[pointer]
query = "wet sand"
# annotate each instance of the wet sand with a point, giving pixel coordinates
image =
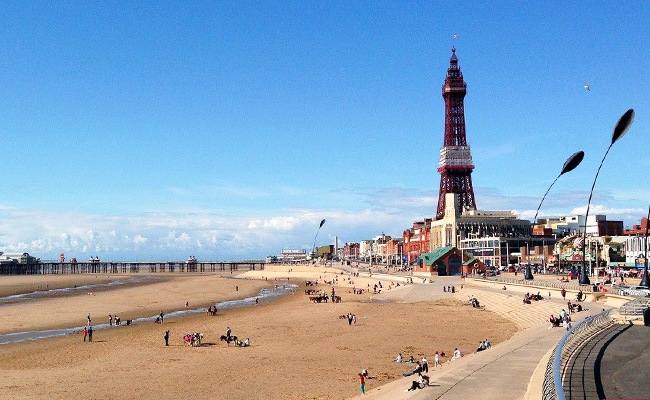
(300, 350)
(146, 298)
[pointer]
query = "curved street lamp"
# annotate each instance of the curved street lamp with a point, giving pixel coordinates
(313, 251)
(621, 129)
(645, 281)
(569, 165)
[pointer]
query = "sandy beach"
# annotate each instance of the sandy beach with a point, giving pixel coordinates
(299, 350)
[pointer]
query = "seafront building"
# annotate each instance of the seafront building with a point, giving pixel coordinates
(495, 239)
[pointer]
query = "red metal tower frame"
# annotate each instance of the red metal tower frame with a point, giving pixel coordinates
(455, 165)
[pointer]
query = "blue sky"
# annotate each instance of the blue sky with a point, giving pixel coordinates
(228, 130)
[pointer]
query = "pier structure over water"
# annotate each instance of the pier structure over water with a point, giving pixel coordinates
(123, 267)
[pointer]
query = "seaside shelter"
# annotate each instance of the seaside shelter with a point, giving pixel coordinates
(448, 261)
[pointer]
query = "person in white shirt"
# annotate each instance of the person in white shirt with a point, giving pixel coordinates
(457, 354)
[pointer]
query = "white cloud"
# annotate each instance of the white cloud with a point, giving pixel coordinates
(211, 235)
(139, 239)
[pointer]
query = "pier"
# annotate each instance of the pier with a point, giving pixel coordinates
(123, 267)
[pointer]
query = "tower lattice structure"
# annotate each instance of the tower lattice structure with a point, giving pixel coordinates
(455, 165)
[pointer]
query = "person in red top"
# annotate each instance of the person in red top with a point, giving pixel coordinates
(362, 383)
(85, 333)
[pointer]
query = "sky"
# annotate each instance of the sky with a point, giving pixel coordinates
(228, 130)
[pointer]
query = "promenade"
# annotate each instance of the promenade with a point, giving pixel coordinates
(505, 370)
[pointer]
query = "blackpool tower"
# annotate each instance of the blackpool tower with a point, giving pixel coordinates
(455, 165)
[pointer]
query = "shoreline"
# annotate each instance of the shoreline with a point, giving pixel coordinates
(131, 301)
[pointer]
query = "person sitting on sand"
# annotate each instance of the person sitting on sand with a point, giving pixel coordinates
(481, 346)
(416, 370)
(399, 358)
(247, 342)
(411, 360)
(457, 354)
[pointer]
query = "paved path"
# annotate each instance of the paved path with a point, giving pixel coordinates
(502, 372)
(622, 364)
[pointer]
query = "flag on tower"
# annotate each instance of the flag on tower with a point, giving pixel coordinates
(455, 36)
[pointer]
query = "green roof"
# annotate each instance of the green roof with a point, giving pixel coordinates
(430, 258)
(469, 261)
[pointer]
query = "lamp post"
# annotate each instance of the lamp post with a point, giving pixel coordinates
(645, 281)
(313, 251)
(569, 165)
(621, 128)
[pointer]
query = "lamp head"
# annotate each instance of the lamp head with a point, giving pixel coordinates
(623, 125)
(572, 162)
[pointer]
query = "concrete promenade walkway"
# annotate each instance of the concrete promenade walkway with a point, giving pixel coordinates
(505, 370)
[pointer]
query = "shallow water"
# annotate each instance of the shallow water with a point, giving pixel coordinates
(265, 296)
(40, 294)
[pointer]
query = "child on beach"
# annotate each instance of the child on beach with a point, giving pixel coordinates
(362, 383)
(436, 360)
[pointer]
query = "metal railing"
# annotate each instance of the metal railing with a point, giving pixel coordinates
(568, 345)
(635, 307)
(539, 282)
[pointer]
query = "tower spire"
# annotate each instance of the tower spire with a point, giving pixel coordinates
(455, 164)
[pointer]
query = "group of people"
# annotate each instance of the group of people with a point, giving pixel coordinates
(574, 307)
(528, 298)
(419, 370)
(424, 363)
(160, 318)
(563, 319)
(450, 289)
(363, 375)
(212, 310)
(475, 302)
(193, 339)
(88, 333)
(117, 320)
(352, 318)
(484, 345)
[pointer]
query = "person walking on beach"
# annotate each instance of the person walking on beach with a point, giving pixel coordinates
(362, 383)
(110, 320)
(162, 316)
(88, 319)
(90, 334)
(425, 364)
(85, 333)
(166, 336)
(563, 294)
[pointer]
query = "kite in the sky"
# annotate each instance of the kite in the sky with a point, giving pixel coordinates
(587, 86)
